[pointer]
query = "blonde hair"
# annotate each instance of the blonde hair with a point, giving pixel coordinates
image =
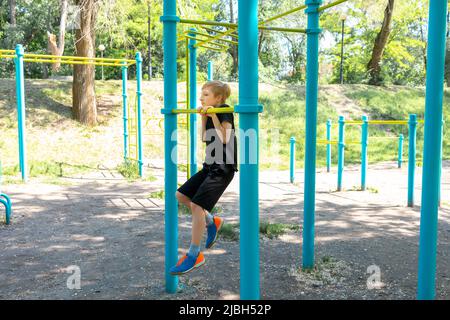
(218, 88)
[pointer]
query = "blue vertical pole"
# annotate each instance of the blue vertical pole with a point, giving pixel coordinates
(139, 110)
(312, 90)
(125, 111)
(400, 151)
(193, 103)
(248, 110)
(431, 152)
(341, 149)
(170, 20)
(364, 142)
(411, 158)
(328, 145)
(20, 92)
(292, 162)
(210, 71)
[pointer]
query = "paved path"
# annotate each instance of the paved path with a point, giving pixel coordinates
(113, 231)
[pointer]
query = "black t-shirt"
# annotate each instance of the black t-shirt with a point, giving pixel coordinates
(228, 155)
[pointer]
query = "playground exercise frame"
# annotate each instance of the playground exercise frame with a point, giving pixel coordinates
(20, 57)
(248, 109)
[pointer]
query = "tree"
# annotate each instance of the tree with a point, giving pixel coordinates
(233, 49)
(84, 107)
(53, 47)
(373, 67)
(12, 12)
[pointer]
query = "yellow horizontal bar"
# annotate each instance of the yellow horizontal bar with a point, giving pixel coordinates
(212, 110)
(32, 55)
(388, 121)
(37, 60)
(332, 4)
(284, 14)
(209, 23)
(209, 36)
(203, 41)
(215, 37)
(212, 48)
(327, 142)
(352, 142)
(6, 51)
(282, 29)
(221, 32)
(7, 56)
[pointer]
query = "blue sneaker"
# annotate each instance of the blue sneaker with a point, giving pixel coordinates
(213, 230)
(187, 263)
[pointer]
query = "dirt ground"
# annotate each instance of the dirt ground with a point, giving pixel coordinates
(114, 233)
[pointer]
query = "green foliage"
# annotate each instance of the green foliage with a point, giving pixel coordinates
(157, 194)
(229, 232)
(122, 26)
(129, 169)
(274, 230)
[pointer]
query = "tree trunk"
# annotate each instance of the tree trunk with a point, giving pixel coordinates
(12, 12)
(373, 67)
(233, 50)
(84, 105)
(57, 49)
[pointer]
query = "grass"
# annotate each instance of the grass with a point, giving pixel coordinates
(54, 138)
(358, 188)
(129, 169)
(274, 230)
(157, 194)
(229, 232)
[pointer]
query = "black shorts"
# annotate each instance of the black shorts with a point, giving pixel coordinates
(207, 186)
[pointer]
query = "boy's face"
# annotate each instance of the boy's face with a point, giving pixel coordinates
(208, 99)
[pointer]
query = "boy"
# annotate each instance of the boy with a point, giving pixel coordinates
(202, 191)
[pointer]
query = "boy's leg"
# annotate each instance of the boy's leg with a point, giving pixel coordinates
(183, 199)
(198, 223)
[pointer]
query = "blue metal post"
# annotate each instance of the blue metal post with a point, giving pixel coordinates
(412, 158)
(139, 110)
(312, 90)
(6, 201)
(292, 162)
(125, 111)
(328, 145)
(20, 92)
(210, 71)
(431, 153)
(364, 142)
(248, 110)
(170, 20)
(341, 149)
(400, 150)
(193, 103)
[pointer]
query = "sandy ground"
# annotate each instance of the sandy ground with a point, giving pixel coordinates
(113, 233)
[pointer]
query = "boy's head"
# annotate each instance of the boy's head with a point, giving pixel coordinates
(215, 93)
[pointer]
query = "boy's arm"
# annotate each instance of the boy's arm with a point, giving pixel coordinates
(223, 129)
(204, 119)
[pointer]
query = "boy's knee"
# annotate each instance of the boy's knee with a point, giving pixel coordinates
(196, 208)
(181, 197)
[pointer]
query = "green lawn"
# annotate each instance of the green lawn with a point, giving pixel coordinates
(59, 146)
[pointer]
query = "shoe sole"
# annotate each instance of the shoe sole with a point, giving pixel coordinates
(187, 271)
(217, 233)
